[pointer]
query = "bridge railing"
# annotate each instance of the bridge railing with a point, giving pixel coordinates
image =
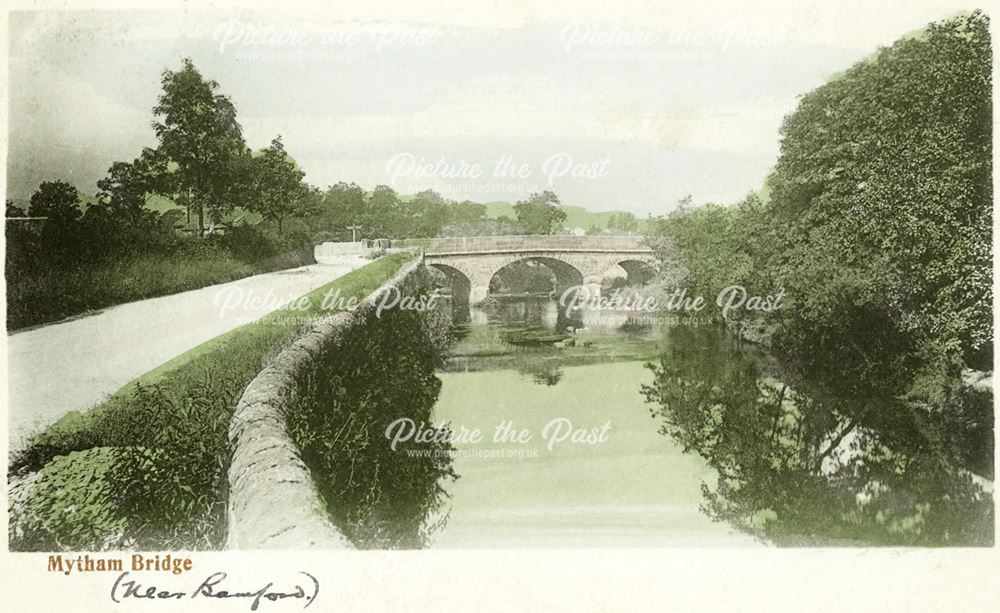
(471, 244)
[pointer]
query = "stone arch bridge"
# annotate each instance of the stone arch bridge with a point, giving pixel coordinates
(471, 262)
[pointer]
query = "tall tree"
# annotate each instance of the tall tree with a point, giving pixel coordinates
(540, 213)
(198, 132)
(59, 202)
(429, 211)
(126, 187)
(623, 222)
(278, 189)
(385, 214)
(877, 230)
(342, 205)
(466, 212)
(55, 198)
(884, 184)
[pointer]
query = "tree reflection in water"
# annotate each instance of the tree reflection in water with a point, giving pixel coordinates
(799, 468)
(542, 373)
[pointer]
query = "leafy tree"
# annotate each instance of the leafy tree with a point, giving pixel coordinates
(878, 224)
(55, 198)
(625, 223)
(127, 186)
(684, 205)
(278, 187)
(385, 215)
(119, 224)
(342, 205)
(540, 213)
(884, 186)
(12, 210)
(430, 196)
(59, 203)
(466, 212)
(199, 134)
(429, 211)
(878, 228)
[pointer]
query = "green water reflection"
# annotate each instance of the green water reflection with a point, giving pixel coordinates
(522, 365)
(704, 445)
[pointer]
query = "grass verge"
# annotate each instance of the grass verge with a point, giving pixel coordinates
(52, 295)
(159, 443)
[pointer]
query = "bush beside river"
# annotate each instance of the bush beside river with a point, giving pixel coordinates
(380, 371)
(877, 225)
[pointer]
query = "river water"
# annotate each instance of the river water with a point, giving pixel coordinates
(570, 455)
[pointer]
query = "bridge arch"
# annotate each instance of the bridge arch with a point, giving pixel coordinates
(461, 285)
(566, 274)
(637, 270)
(585, 260)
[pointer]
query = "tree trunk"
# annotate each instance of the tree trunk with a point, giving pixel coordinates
(201, 221)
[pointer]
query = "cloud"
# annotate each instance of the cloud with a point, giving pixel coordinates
(62, 128)
(696, 112)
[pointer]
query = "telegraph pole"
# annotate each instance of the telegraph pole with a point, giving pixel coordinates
(354, 232)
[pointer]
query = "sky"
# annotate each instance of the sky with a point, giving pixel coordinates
(612, 110)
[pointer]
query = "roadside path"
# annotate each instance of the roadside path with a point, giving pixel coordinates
(75, 364)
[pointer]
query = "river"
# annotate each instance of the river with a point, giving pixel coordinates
(597, 431)
(571, 455)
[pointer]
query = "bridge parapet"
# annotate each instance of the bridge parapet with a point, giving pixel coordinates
(475, 244)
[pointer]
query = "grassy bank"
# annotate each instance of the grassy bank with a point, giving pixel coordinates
(147, 467)
(50, 295)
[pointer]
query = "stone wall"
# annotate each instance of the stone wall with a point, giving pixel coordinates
(329, 252)
(273, 503)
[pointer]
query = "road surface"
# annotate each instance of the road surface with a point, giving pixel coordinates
(76, 364)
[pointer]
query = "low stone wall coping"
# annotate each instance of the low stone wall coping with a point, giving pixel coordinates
(273, 503)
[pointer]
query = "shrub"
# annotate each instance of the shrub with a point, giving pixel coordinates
(74, 504)
(378, 372)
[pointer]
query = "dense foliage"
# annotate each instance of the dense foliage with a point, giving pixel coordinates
(252, 212)
(201, 144)
(540, 213)
(878, 228)
(377, 373)
(73, 262)
(74, 255)
(382, 213)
